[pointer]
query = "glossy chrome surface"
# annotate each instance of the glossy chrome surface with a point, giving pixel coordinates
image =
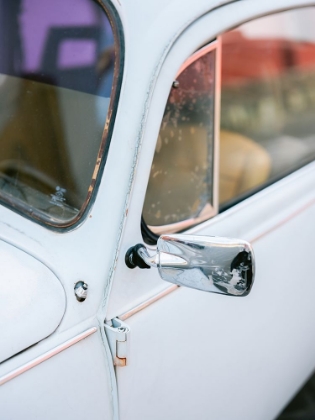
(207, 263)
(81, 290)
(150, 261)
(211, 264)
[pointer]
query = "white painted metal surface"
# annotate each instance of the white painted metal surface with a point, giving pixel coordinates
(32, 301)
(193, 355)
(27, 366)
(224, 348)
(74, 385)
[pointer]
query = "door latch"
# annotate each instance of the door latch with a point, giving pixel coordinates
(118, 335)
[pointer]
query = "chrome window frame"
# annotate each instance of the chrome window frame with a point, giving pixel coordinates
(151, 233)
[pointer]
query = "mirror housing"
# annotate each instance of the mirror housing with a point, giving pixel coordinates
(207, 263)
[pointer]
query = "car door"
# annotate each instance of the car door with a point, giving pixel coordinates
(195, 354)
(60, 69)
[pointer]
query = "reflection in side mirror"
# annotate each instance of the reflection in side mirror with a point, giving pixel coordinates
(208, 263)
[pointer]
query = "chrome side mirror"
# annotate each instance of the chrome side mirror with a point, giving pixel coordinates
(208, 263)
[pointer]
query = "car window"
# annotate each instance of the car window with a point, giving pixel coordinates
(268, 102)
(57, 62)
(267, 127)
(180, 188)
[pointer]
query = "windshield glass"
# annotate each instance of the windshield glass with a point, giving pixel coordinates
(57, 61)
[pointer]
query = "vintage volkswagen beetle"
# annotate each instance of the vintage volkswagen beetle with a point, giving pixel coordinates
(137, 139)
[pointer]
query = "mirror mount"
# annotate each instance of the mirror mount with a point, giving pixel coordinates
(138, 256)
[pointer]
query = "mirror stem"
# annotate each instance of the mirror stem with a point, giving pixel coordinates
(138, 256)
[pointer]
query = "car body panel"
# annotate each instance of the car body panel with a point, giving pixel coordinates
(193, 354)
(223, 357)
(32, 301)
(73, 384)
(201, 356)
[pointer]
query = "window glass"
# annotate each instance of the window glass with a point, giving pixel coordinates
(267, 121)
(57, 63)
(268, 101)
(180, 189)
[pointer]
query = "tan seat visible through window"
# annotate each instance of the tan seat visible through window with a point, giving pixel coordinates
(244, 165)
(177, 189)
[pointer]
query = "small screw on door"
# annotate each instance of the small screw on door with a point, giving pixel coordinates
(80, 291)
(175, 84)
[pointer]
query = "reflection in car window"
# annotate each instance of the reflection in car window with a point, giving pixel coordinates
(180, 187)
(57, 63)
(268, 101)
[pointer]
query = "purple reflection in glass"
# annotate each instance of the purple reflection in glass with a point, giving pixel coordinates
(76, 53)
(54, 14)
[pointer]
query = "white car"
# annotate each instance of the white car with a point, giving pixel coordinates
(138, 139)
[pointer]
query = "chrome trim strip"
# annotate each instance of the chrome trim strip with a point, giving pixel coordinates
(217, 125)
(209, 47)
(46, 356)
(284, 221)
(211, 209)
(148, 302)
